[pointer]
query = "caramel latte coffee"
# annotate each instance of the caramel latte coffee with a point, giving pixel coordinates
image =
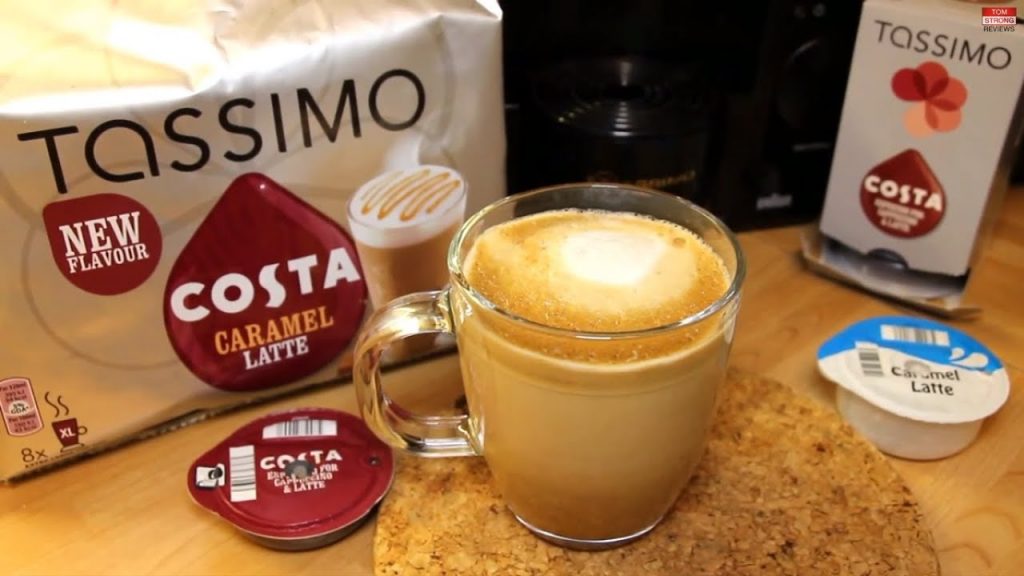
(591, 438)
(402, 222)
(592, 342)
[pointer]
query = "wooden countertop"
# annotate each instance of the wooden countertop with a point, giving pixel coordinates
(128, 512)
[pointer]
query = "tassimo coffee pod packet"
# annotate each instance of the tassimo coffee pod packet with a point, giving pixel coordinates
(295, 480)
(916, 388)
(201, 202)
(931, 125)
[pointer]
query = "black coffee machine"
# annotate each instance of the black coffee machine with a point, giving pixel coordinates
(735, 107)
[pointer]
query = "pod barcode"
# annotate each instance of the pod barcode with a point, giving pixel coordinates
(870, 361)
(242, 473)
(301, 427)
(915, 335)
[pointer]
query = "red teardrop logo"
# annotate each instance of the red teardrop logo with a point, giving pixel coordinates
(902, 197)
(266, 291)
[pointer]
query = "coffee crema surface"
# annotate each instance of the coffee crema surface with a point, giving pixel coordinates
(596, 271)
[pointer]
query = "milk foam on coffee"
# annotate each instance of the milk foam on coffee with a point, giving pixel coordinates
(614, 258)
(408, 206)
(596, 271)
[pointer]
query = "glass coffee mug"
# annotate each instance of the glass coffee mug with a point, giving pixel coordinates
(590, 436)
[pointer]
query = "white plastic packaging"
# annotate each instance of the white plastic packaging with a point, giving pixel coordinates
(916, 388)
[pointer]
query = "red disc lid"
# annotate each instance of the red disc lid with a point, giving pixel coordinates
(296, 479)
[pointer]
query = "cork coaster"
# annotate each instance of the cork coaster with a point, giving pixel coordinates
(785, 488)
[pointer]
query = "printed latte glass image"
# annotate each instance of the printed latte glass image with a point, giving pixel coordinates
(403, 222)
(593, 324)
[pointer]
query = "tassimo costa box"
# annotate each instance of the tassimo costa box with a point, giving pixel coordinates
(200, 202)
(930, 123)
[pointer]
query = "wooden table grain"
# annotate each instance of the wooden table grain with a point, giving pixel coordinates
(128, 511)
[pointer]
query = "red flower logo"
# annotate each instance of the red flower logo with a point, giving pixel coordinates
(937, 98)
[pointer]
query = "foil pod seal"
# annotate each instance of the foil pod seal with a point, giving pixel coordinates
(916, 388)
(295, 480)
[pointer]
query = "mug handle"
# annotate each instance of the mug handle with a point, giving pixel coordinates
(418, 313)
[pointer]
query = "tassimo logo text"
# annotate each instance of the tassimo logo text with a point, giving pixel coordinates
(943, 45)
(180, 126)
